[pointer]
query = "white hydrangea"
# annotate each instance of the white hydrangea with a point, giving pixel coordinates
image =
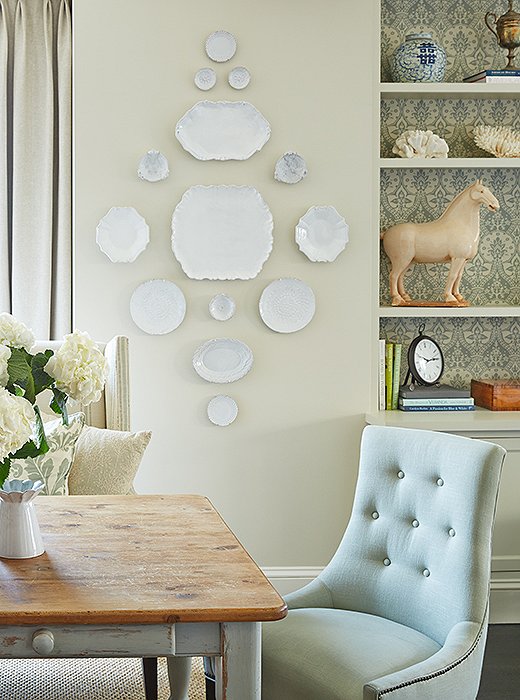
(5, 354)
(15, 333)
(16, 418)
(79, 368)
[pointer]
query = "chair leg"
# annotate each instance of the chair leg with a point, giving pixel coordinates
(150, 677)
(210, 689)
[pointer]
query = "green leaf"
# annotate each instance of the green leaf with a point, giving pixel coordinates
(42, 380)
(59, 404)
(20, 374)
(4, 469)
(40, 437)
(27, 450)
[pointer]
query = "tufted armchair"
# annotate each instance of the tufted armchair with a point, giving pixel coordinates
(401, 610)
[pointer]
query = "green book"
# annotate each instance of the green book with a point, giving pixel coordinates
(396, 374)
(389, 369)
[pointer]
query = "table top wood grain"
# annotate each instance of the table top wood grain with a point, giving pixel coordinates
(135, 560)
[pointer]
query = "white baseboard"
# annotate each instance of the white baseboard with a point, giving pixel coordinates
(505, 585)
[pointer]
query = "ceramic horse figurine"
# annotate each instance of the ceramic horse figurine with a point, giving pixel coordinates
(453, 237)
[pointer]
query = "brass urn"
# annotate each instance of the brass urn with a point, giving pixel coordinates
(507, 32)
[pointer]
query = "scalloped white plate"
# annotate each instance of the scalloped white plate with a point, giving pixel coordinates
(222, 130)
(221, 46)
(287, 305)
(222, 232)
(222, 307)
(239, 78)
(153, 167)
(205, 78)
(158, 307)
(222, 360)
(290, 168)
(122, 234)
(222, 410)
(322, 234)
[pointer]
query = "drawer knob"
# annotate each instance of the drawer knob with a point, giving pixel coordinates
(43, 642)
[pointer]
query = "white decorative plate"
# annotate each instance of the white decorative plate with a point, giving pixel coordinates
(287, 305)
(205, 78)
(122, 234)
(290, 168)
(153, 167)
(322, 233)
(157, 307)
(222, 130)
(222, 232)
(222, 410)
(221, 46)
(239, 78)
(222, 360)
(222, 307)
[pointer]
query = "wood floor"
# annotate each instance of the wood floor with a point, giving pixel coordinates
(501, 671)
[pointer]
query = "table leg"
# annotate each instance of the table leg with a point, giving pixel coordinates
(238, 674)
(179, 672)
(150, 677)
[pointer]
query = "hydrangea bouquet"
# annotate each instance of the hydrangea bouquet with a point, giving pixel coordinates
(77, 370)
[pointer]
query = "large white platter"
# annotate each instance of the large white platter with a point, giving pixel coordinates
(222, 410)
(158, 307)
(222, 130)
(222, 232)
(222, 360)
(322, 233)
(287, 305)
(122, 234)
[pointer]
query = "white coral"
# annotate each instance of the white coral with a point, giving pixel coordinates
(16, 418)
(415, 143)
(501, 141)
(14, 333)
(79, 368)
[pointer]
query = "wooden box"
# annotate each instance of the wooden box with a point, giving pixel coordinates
(497, 394)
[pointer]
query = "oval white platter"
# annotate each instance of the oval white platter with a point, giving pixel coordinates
(222, 232)
(290, 168)
(222, 307)
(153, 167)
(222, 360)
(221, 46)
(222, 130)
(239, 77)
(222, 410)
(287, 305)
(158, 307)
(205, 78)
(322, 234)
(122, 234)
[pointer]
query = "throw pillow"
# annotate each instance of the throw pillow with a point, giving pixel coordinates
(106, 461)
(53, 467)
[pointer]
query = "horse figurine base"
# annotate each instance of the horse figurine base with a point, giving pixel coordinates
(453, 238)
(422, 302)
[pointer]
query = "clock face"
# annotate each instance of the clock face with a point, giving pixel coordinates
(427, 362)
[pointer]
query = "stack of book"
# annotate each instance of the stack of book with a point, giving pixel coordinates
(441, 397)
(494, 76)
(389, 374)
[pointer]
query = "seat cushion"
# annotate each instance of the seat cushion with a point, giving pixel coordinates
(326, 654)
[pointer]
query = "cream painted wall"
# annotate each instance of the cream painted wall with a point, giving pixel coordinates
(283, 474)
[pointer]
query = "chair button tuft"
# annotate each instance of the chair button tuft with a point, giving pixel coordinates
(375, 515)
(400, 474)
(451, 532)
(426, 573)
(440, 482)
(387, 561)
(415, 523)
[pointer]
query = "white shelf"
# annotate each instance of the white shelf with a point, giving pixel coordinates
(448, 311)
(449, 163)
(481, 421)
(450, 90)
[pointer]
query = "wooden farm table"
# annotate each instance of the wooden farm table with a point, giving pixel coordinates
(139, 576)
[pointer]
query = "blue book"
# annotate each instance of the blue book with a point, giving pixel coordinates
(491, 76)
(437, 408)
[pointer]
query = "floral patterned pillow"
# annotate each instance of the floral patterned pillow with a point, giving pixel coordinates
(52, 467)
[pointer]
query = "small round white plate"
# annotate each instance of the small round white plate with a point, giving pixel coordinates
(221, 46)
(205, 78)
(239, 78)
(222, 410)
(322, 234)
(158, 307)
(153, 167)
(122, 234)
(287, 305)
(222, 307)
(290, 168)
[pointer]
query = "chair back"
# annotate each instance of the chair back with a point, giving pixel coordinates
(417, 548)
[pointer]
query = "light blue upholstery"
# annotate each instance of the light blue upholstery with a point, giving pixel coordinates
(401, 609)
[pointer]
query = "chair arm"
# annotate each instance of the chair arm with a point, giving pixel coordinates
(453, 672)
(314, 595)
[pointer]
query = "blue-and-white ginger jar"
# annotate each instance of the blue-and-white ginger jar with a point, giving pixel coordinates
(419, 60)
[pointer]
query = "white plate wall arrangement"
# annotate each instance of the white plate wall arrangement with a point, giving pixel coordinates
(223, 360)
(287, 305)
(222, 232)
(322, 234)
(153, 167)
(158, 307)
(222, 410)
(122, 234)
(222, 130)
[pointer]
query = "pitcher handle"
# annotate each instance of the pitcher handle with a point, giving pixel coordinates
(487, 16)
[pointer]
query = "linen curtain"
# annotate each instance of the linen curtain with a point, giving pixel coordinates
(35, 164)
